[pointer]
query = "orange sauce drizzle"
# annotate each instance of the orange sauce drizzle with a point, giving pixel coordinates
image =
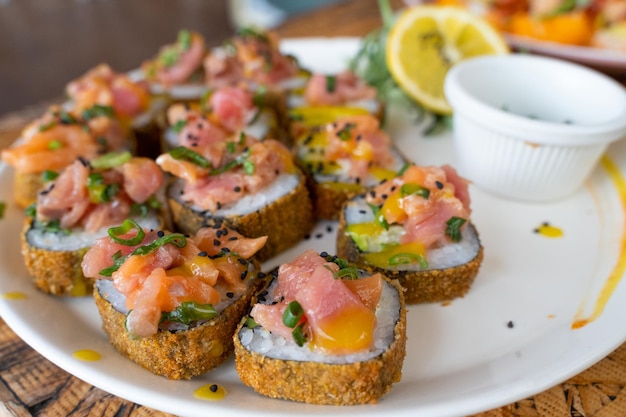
(14, 295)
(211, 392)
(619, 269)
(87, 355)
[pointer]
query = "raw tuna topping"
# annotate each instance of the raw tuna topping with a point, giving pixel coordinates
(324, 302)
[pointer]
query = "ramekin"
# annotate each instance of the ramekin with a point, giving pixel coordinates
(529, 127)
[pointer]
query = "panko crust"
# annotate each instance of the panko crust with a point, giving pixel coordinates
(362, 382)
(180, 355)
(430, 286)
(55, 272)
(26, 187)
(286, 221)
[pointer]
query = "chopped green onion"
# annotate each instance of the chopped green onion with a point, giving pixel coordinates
(403, 169)
(298, 335)
(292, 314)
(179, 125)
(453, 228)
(248, 31)
(250, 323)
(188, 312)
(175, 239)
(331, 82)
(350, 272)
(408, 258)
(3, 207)
(111, 160)
(231, 147)
(47, 126)
(260, 96)
(142, 209)
(54, 226)
(127, 226)
(378, 216)
(31, 211)
(54, 145)
(99, 192)
(412, 188)
(118, 260)
(186, 154)
(48, 175)
(248, 167)
(98, 110)
(169, 57)
(344, 133)
(66, 118)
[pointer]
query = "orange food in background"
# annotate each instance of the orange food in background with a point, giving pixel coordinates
(574, 28)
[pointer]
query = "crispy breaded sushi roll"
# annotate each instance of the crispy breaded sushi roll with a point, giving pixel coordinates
(328, 97)
(250, 185)
(323, 332)
(78, 207)
(124, 96)
(219, 114)
(171, 303)
(417, 229)
(54, 141)
(343, 159)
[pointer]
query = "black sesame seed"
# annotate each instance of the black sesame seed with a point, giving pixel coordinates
(230, 239)
(226, 250)
(319, 235)
(357, 180)
(323, 254)
(329, 229)
(160, 233)
(373, 194)
(242, 261)
(384, 196)
(230, 294)
(510, 324)
(439, 184)
(216, 242)
(362, 211)
(219, 205)
(260, 275)
(203, 253)
(219, 233)
(213, 388)
(244, 274)
(307, 237)
(237, 189)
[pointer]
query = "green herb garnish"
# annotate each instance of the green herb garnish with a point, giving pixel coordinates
(54, 145)
(298, 335)
(184, 39)
(345, 132)
(127, 226)
(118, 260)
(178, 126)
(48, 175)
(453, 228)
(98, 110)
(412, 188)
(186, 154)
(378, 216)
(331, 83)
(3, 207)
(188, 312)
(292, 314)
(111, 160)
(408, 258)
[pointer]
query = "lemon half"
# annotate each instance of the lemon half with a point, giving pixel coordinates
(426, 41)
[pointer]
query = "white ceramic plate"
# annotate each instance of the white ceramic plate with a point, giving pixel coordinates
(603, 59)
(509, 338)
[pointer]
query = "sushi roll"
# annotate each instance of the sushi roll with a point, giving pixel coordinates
(171, 303)
(55, 140)
(343, 158)
(252, 186)
(221, 113)
(77, 207)
(176, 72)
(323, 332)
(415, 228)
(124, 97)
(328, 97)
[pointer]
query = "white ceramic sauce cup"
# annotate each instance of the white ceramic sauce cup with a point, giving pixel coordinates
(532, 128)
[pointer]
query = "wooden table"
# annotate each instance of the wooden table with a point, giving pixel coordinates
(31, 385)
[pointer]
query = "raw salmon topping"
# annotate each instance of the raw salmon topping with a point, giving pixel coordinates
(176, 63)
(336, 90)
(423, 208)
(220, 173)
(336, 305)
(249, 57)
(58, 137)
(168, 278)
(354, 147)
(92, 198)
(102, 86)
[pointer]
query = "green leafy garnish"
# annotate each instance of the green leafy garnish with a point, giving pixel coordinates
(31, 211)
(408, 258)
(142, 209)
(111, 160)
(188, 312)
(378, 216)
(47, 126)
(412, 188)
(48, 175)
(125, 227)
(331, 82)
(118, 260)
(179, 125)
(292, 314)
(184, 39)
(99, 192)
(175, 239)
(298, 335)
(98, 110)
(453, 228)
(345, 132)
(3, 207)
(189, 155)
(54, 145)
